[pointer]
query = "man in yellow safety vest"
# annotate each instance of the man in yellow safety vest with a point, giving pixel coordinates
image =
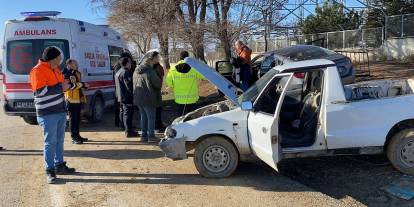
(184, 81)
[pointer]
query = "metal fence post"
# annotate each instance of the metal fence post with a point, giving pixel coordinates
(385, 29)
(402, 25)
(327, 40)
(343, 39)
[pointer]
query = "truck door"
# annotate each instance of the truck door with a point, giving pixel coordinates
(263, 120)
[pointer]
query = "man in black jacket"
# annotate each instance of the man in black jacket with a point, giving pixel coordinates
(117, 106)
(124, 92)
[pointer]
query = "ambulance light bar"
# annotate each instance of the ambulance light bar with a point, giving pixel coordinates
(40, 14)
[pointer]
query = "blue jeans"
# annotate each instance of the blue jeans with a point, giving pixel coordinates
(147, 121)
(53, 126)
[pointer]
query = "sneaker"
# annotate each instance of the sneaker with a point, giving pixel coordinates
(76, 141)
(50, 176)
(1, 148)
(63, 169)
(83, 139)
(131, 134)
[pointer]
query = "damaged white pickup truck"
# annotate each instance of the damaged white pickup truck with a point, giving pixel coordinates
(273, 121)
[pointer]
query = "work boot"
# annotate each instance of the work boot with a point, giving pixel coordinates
(63, 169)
(76, 140)
(131, 134)
(50, 176)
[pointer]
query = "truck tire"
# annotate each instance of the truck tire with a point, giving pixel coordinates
(216, 157)
(32, 120)
(400, 151)
(97, 110)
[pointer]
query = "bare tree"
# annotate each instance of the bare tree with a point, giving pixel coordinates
(192, 19)
(267, 11)
(140, 20)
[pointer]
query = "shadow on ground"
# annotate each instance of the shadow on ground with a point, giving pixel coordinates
(360, 177)
(111, 154)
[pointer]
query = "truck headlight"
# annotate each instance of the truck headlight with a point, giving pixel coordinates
(170, 132)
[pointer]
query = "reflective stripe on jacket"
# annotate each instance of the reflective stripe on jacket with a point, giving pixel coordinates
(184, 81)
(47, 88)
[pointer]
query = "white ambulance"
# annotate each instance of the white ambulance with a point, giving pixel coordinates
(96, 48)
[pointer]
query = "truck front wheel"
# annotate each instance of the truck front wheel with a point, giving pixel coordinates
(216, 157)
(400, 151)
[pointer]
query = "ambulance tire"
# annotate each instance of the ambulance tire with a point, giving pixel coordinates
(32, 120)
(97, 109)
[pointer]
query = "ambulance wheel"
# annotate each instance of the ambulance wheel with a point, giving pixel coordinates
(32, 120)
(400, 151)
(216, 157)
(97, 109)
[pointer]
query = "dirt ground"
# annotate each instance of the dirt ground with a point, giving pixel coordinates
(115, 171)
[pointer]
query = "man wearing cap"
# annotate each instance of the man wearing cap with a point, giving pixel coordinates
(48, 85)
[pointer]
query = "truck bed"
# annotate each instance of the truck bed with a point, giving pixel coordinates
(378, 89)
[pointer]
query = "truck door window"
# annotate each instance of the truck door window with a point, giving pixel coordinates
(268, 100)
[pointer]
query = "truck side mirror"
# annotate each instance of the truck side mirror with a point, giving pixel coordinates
(224, 67)
(247, 106)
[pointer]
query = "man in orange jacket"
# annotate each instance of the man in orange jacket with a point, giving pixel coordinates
(48, 85)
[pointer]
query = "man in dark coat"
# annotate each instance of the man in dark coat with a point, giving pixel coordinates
(147, 96)
(159, 125)
(117, 106)
(124, 93)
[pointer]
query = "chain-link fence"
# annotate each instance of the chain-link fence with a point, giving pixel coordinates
(400, 26)
(349, 39)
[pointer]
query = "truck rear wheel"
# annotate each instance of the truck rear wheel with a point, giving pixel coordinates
(216, 157)
(400, 151)
(32, 120)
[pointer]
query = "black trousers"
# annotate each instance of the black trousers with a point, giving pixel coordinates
(127, 111)
(118, 115)
(158, 118)
(74, 111)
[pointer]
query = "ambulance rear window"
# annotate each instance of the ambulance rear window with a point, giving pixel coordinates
(22, 55)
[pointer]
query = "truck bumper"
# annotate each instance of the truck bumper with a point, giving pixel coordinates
(174, 148)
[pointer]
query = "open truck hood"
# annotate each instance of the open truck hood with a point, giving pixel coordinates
(224, 85)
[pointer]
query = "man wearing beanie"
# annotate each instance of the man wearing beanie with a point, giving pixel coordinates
(48, 85)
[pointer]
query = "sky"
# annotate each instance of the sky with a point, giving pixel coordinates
(75, 9)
